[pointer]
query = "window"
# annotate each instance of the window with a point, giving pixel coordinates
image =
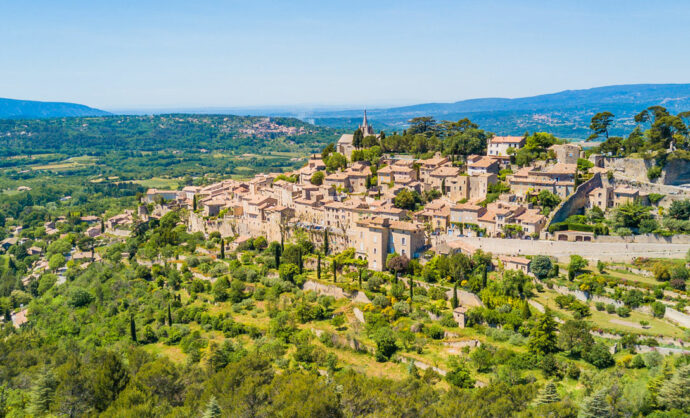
(374, 250)
(376, 238)
(403, 241)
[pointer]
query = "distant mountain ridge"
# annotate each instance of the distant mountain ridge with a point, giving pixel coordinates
(565, 113)
(29, 109)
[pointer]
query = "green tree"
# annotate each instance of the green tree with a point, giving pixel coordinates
(325, 241)
(42, 392)
(334, 267)
(541, 266)
(222, 249)
(405, 199)
(212, 409)
(318, 266)
(575, 338)
(385, 343)
(109, 379)
(460, 377)
(317, 178)
(543, 337)
(596, 406)
(454, 300)
(548, 394)
(56, 261)
(357, 138)
(132, 328)
(600, 125)
(675, 392)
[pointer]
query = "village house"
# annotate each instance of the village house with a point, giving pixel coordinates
(516, 263)
(566, 153)
(399, 172)
(378, 237)
(477, 164)
(345, 144)
(428, 166)
(499, 145)
(601, 197)
(623, 195)
(155, 195)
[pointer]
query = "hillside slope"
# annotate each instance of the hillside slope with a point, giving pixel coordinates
(28, 109)
(566, 113)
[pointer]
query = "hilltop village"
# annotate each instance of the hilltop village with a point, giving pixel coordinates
(400, 205)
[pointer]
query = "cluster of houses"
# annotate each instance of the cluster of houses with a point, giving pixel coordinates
(356, 204)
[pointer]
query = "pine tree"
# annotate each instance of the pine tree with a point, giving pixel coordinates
(169, 316)
(675, 392)
(222, 249)
(276, 255)
(318, 266)
(542, 338)
(596, 406)
(454, 301)
(132, 328)
(42, 391)
(548, 394)
(212, 409)
(335, 270)
(325, 241)
(654, 385)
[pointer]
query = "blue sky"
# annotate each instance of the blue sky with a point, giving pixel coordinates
(166, 54)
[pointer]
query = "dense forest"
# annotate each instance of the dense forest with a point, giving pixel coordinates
(98, 135)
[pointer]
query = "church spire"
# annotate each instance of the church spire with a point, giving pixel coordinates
(365, 127)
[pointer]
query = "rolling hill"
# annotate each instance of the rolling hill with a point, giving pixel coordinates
(28, 109)
(566, 113)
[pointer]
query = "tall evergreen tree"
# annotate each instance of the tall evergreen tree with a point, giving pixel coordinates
(596, 406)
(212, 409)
(454, 300)
(542, 338)
(548, 394)
(109, 379)
(325, 241)
(484, 273)
(222, 249)
(276, 255)
(42, 392)
(169, 316)
(300, 264)
(334, 265)
(318, 266)
(132, 328)
(360, 278)
(194, 203)
(675, 392)
(411, 289)
(526, 313)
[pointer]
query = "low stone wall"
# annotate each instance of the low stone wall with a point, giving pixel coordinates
(576, 201)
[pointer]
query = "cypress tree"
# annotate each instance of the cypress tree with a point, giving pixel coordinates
(411, 290)
(222, 248)
(443, 186)
(335, 270)
(484, 276)
(454, 300)
(299, 260)
(526, 313)
(318, 266)
(194, 203)
(132, 328)
(169, 316)
(276, 254)
(325, 241)
(360, 279)
(102, 226)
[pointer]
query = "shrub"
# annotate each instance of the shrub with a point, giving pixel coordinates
(623, 311)
(600, 306)
(610, 308)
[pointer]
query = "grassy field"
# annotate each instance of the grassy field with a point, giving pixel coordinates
(159, 183)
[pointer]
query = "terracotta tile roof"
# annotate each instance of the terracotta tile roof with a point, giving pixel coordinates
(507, 139)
